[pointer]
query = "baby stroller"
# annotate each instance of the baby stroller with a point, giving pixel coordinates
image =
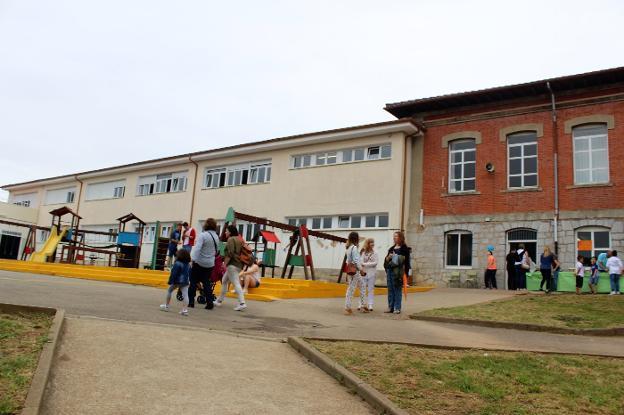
(201, 298)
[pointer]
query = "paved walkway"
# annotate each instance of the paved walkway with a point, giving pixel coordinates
(307, 317)
(108, 367)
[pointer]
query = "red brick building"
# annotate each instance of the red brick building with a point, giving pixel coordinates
(536, 163)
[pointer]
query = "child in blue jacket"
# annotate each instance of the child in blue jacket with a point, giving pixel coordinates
(179, 278)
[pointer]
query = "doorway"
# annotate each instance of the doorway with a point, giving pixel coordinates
(527, 237)
(9, 246)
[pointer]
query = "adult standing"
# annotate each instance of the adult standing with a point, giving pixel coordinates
(615, 271)
(174, 240)
(234, 265)
(397, 264)
(554, 282)
(490, 271)
(188, 237)
(522, 266)
(370, 259)
(355, 271)
(203, 255)
(546, 266)
(510, 262)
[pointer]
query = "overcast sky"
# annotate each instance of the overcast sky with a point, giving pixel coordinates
(90, 84)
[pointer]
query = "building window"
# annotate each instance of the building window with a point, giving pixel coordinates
(71, 195)
(592, 242)
(459, 249)
(25, 203)
(343, 221)
(356, 221)
(161, 183)
(591, 157)
(375, 152)
(240, 175)
(119, 192)
(462, 164)
(522, 159)
(523, 236)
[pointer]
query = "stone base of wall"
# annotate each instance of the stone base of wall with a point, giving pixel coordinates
(428, 250)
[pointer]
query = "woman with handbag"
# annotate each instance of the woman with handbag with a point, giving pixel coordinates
(522, 266)
(234, 265)
(397, 264)
(203, 255)
(355, 271)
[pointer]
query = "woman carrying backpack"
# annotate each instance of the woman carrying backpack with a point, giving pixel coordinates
(203, 255)
(234, 265)
(397, 264)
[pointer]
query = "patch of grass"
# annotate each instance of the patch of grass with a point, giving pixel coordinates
(22, 336)
(561, 310)
(444, 382)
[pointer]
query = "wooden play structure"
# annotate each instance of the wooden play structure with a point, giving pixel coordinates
(299, 247)
(129, 242)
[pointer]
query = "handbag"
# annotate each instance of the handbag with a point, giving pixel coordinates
(246, 255)
(219, 267)
(350, 267)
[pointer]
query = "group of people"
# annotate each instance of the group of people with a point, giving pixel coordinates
(519, 262)
(361, 268)
(198, 264)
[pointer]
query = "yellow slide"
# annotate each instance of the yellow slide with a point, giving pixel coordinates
(50, 245)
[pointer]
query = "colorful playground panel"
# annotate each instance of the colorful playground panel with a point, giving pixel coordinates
(567, 282)
(271, 288)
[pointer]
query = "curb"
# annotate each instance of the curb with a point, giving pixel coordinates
(376, 399)
(34, 399)
(615, 331)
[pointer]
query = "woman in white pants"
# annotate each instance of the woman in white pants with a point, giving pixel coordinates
(355, 271)
(233, 248)
(369, 259)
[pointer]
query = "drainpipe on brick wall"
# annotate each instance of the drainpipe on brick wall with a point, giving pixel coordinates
(79, 194)
(555, 164)
(194, 188)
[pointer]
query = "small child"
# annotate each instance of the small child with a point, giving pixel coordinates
(179, 278)
(580, 273)
(595, 275)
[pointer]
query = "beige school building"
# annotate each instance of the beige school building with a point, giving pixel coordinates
(334, 181)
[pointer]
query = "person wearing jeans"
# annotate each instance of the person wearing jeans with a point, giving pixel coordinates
(546, 266)
(203, 255)
(615, 271)
(233, 248)
(397, 264)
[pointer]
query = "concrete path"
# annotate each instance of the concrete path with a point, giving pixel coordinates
(110, 367)
(310, 317)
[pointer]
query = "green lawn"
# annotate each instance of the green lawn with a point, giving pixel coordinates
(21, 338)
(560, 310)
(447, 382)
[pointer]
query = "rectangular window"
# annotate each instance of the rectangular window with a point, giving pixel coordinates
(458, 249)
(592, 242)
(591, 156)
(240, 175)
(358, 154)
(462, 166)
(347, 156)
(320, 159)
(343, 222)
(161, 183)
(70, 197)
(60, 196)
(370, 221)
(386, 151)
(522, 160)
(119, 192)
(327, 223)
(316, 223)
(356, 221)
(383, 221)
(373, 153)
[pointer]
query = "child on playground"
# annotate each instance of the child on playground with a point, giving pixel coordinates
(251, 277)
(595, 275)
(179, 278)
(580, 273)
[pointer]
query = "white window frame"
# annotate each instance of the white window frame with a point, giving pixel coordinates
(119, 192)
(459, 245)
(334, 157)
(463, 162)
(71, 196)
(522, 157)
(592, 230)
(175, 182)
(333, 222)
(238, 175)
(589, 151)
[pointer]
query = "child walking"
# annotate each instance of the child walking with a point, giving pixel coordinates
(580, 273)
(595, 275)
(179, 278)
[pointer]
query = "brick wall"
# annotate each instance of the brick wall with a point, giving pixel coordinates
(493, 196)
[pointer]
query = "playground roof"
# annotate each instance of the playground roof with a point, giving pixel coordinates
(63, 211)
(270, 236)
(406, 125)
(129, 217)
